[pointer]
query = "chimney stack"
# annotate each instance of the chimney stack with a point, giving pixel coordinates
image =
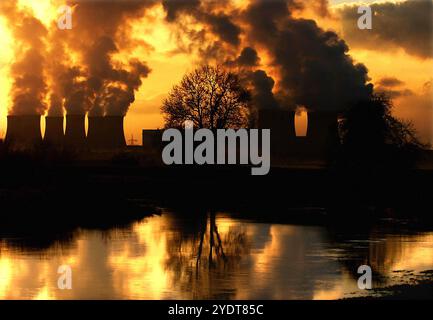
(54, 130)
(114, 134)
(106, 133)
(75, 135)
(23, 131)
(96, 138)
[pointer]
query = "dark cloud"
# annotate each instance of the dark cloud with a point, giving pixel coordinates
(392, 87)
(390, 82)
(222, 26)
(205, 12)
(247, 58)
(408, 25)
(263, 85)
(174, 8)
(315, 68)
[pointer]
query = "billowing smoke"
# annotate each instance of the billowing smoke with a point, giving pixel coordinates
(85, 75)
(247, 58)
(313, 68)
(75, 69)
(219, 35)
(205, 12)
(117, 96)
(29, 88)
(101, 30)
(263, 86)
(68, 86)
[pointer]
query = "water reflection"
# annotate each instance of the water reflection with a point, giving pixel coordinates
(210, 255)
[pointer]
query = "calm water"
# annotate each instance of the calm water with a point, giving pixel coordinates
(156, 258)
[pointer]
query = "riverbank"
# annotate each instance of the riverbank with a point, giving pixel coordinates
(419, 287)
(95, 186)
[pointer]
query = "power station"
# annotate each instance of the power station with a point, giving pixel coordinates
(23, 131)
(105, 133)
(75, 134)
(54, 134)
(321, 129)
(96, 139)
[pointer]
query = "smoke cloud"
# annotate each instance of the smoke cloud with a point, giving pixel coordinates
(101, 31)
(315, 68)
(313, 65)
(29, 88)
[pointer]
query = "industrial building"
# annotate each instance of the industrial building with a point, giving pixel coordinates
(322, 129)
(54, 134)
(23, 131)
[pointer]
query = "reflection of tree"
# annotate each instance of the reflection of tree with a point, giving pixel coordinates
(193, 257)
(213, 232)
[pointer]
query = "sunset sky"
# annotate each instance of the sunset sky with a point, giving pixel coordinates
(173, 39)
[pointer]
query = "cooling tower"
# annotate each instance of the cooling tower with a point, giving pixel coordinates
(322, 128)
(96, 137)
(282, 125)
(75, 135)
(114, 136)
(291, 124)
(54, 130)
(23, 131)
(281, 122)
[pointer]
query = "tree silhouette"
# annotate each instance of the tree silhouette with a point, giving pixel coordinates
(211, 97)
(373, 138)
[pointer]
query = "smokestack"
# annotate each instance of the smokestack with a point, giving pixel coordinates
(114, 135)
(23, 131)
(54, 130)
(322, 128)
(75, 135)
(96, 137)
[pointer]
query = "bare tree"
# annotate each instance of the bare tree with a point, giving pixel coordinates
(374, 138)
(210, 97)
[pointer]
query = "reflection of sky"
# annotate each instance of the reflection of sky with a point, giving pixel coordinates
(153, 259)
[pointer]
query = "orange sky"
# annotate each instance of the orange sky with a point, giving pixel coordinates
(168, 68)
